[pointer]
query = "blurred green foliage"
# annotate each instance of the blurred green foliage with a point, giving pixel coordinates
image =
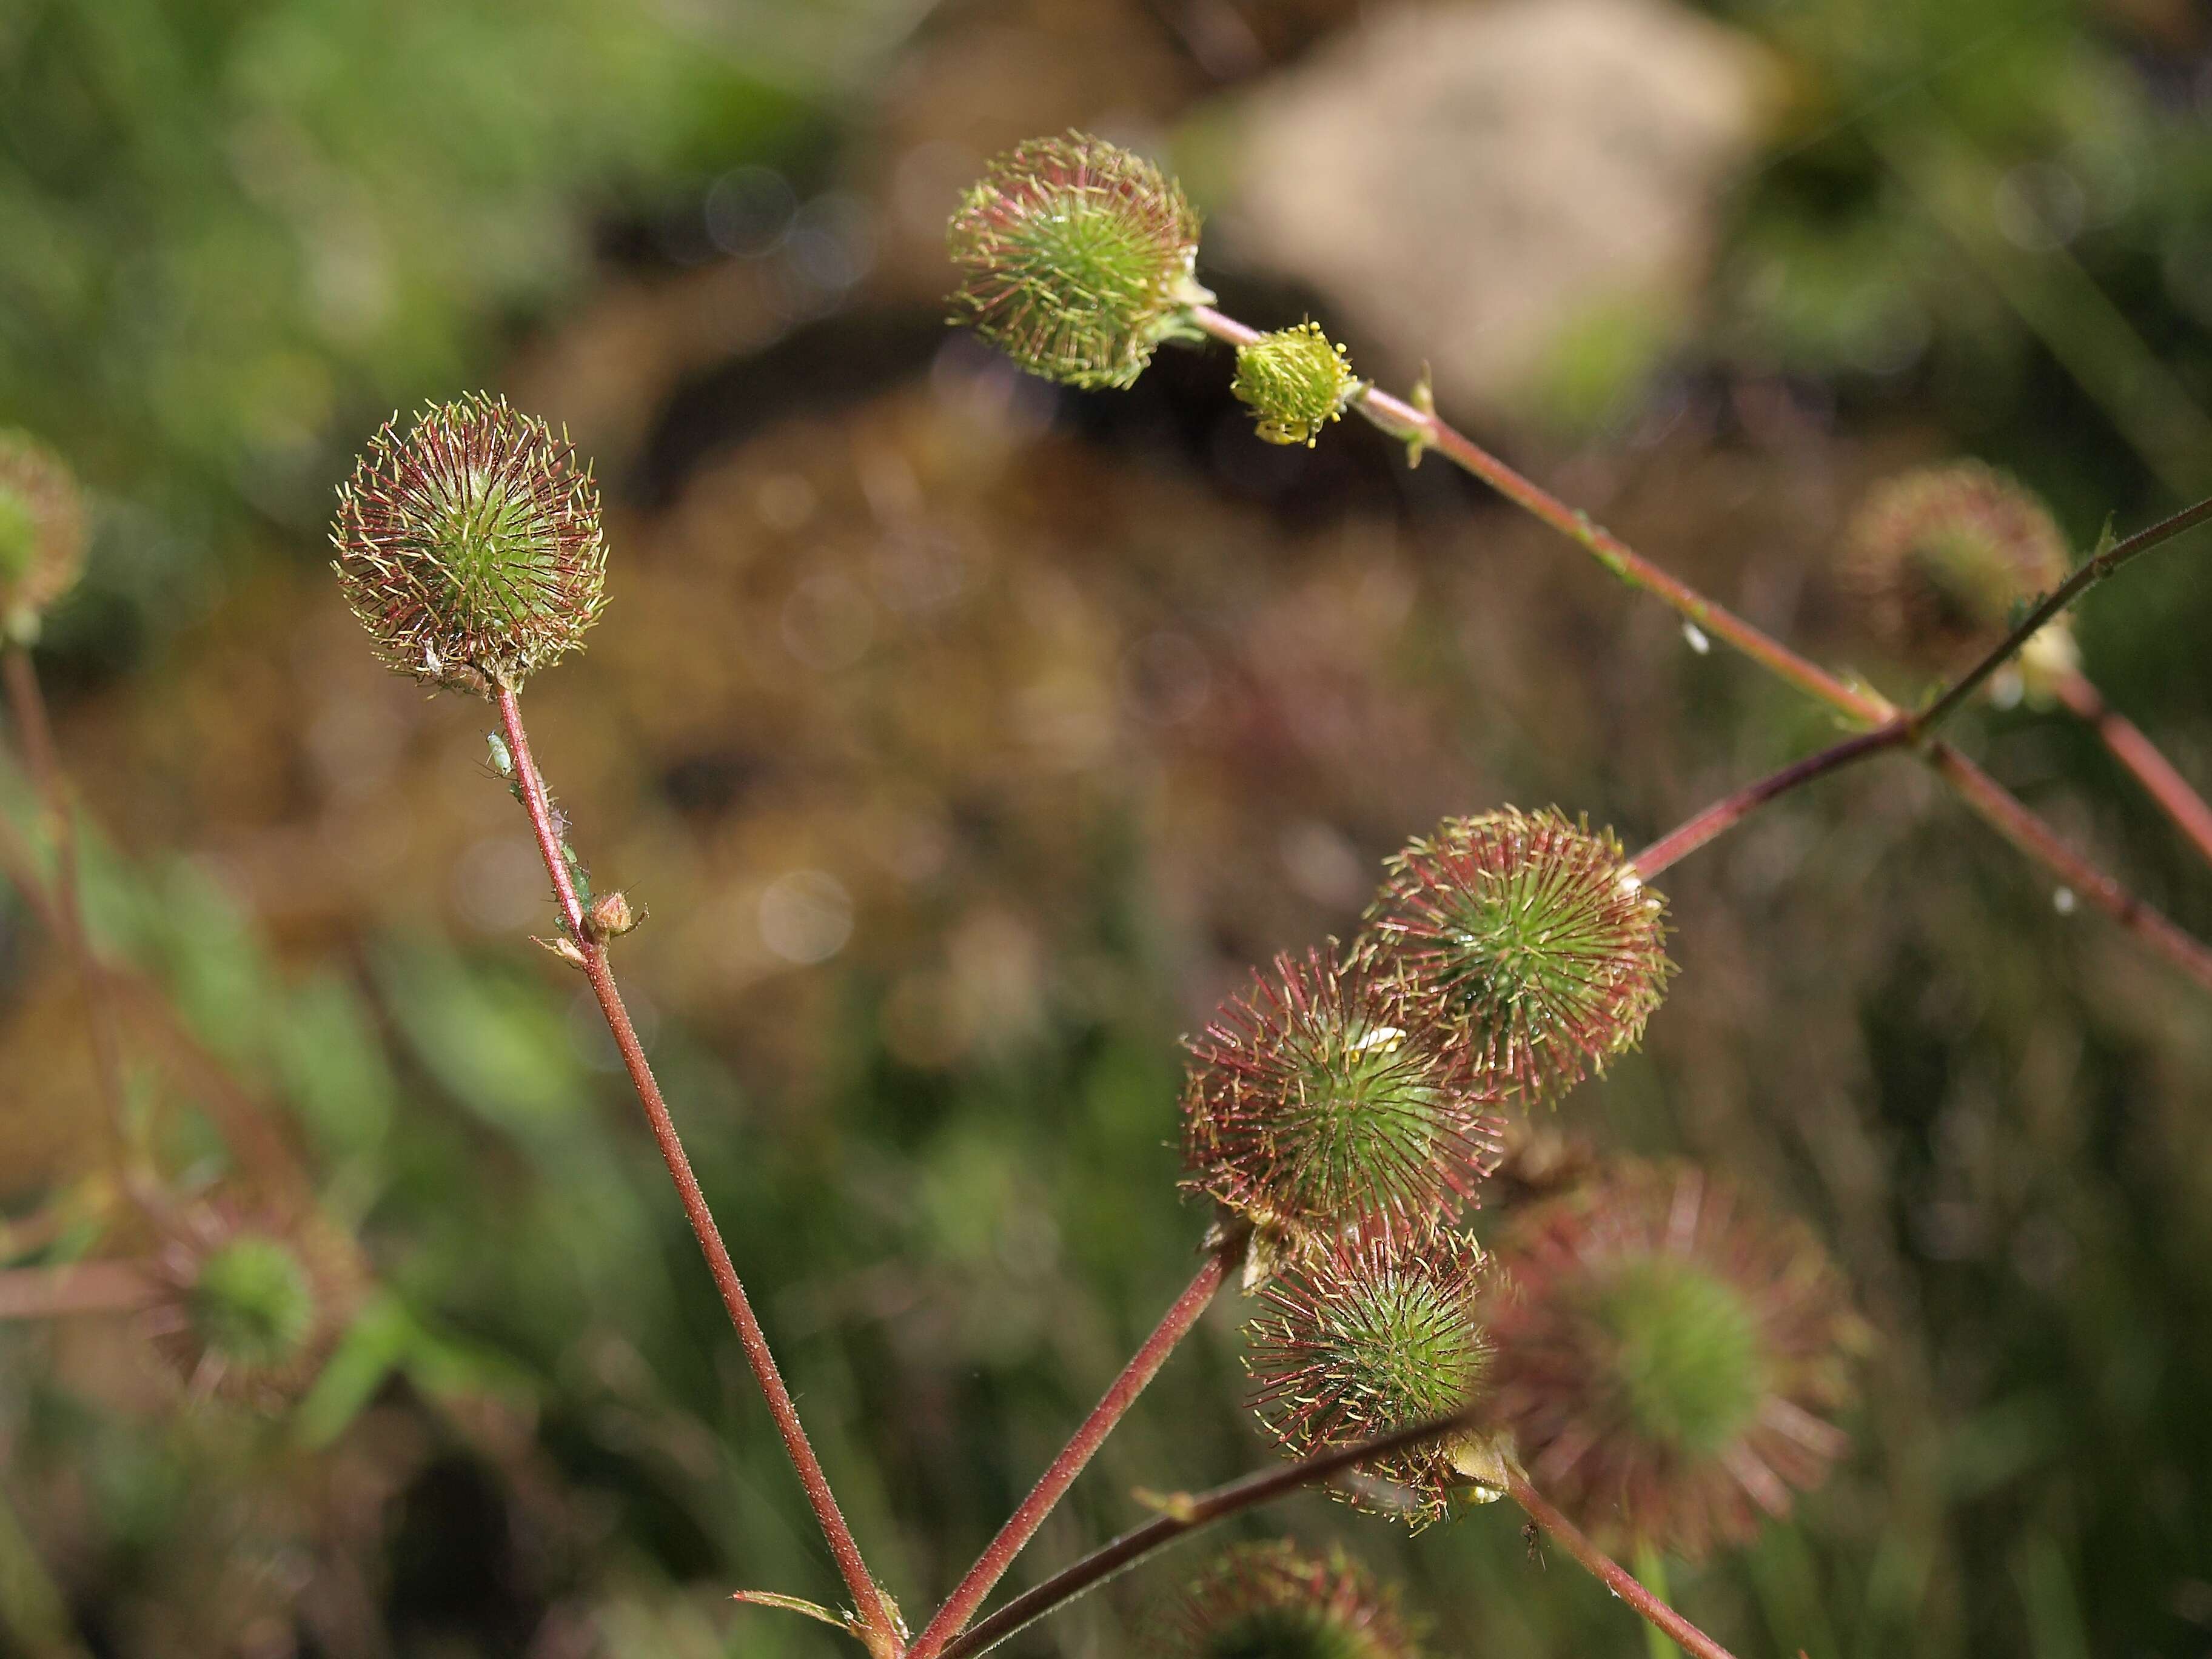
(1972, 191)
(233, 231)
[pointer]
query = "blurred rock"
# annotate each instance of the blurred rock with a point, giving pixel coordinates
(1520, 194)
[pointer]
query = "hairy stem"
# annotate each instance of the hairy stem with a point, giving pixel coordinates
(1022, 1525)
(26, 706)
(2004, 812)
(1419, 425)
(877, 1615)
(1989, 799)
(1405, 420)
(2135, 751)
(1726, 813)
(1609, 1572)
(1186, 1513)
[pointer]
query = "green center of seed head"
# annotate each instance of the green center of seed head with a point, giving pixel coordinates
(1511, 953)
(497, 549)
(19, 535)
(1364, 1118)
(252, 1303)
(1091, 259)
(1404, 1347)
(1685, 1353)
(1969, 574)
(1294, 1631)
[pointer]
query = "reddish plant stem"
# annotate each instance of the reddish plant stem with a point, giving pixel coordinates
(34, 1232)
(1609, 1572)
(2004, 812)
(1730, 810)
(1059, 1475)
(2140, 756)
(20, 864)
(1419, 425)
(1988, 798)
(82, 1287)
(1186, 1514)
(874, 1609)
(27, 706)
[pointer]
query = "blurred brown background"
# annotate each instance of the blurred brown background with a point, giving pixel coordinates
(968, 738)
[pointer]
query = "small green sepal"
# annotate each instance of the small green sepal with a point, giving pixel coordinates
(1424, 399)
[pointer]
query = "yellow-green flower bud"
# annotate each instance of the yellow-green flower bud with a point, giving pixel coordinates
(1295, 381)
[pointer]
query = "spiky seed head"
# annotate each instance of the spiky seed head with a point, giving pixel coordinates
(1323, 1096)
(471, 549)
(1942, 558)
(1380, 1330)
(247, 1308)
(1076, 258)
(1669, 1358)
(1534, 936)
(42, 532)
(1274, 1601)
(1294, 382)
